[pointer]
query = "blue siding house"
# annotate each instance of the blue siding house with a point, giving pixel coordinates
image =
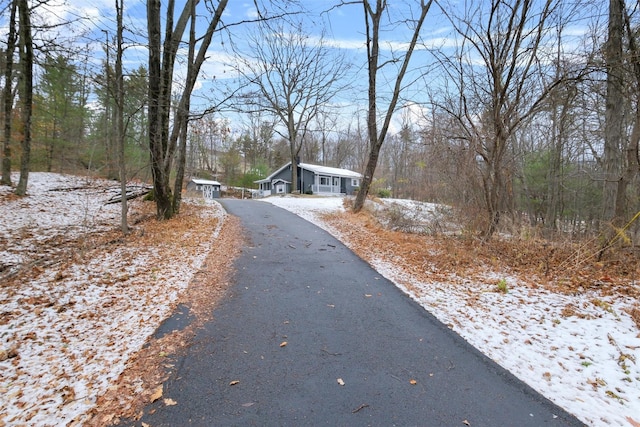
(312, 179)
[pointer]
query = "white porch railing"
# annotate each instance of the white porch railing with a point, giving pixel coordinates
(331, 189)
(260, 193)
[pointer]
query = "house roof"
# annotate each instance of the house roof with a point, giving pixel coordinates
(317, 169)
(204, 181)
(260, 181)
(270, 177)
(326, 170)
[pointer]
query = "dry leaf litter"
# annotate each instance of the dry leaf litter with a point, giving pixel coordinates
(79, 299)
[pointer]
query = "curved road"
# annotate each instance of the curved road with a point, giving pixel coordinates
(304, 315)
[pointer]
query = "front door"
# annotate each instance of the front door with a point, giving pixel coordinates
(280, 188)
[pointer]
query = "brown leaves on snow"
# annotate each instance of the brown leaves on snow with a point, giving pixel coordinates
(85, 305)
(447, 258)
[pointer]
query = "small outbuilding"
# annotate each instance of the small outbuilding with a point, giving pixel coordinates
(210, 189)
(312, 179)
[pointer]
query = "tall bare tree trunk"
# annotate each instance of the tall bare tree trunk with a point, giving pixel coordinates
(373, 49)
(373, 17)
(160, 188)
(614, 112)
(161, 64)
(7, 97)
(26, 96)
(560, 113)
(294, 151)
(183, 118)
(120, 131)
(180, 167)
(631, 172)
(560, 106)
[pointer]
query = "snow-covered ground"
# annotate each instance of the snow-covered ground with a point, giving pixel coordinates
(587, 362)
(87, 300)
(83, 304)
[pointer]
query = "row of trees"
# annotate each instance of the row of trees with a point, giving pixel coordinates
(513, 115)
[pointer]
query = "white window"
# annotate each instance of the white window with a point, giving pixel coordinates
(325, 180)
(355, 182)
(336, 181)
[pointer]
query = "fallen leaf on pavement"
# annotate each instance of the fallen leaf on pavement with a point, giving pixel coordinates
(413, 382)
(170, 402)
(283, 344)
(234, 382)
(465, 422)
(157, 394)
(340, 381)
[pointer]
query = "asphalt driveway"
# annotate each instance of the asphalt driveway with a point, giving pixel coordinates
(311, 335)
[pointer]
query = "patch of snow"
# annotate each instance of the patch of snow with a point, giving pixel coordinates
(309, 208)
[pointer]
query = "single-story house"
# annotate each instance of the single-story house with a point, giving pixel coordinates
(315, 179)
(210, 189)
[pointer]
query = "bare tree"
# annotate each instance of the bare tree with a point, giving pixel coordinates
(400, 160)
(161, 63)
(373, 15)
(621, 159)
(183, 113)
(8, 95)
(120, 128)
(560, 105)
(632, 170)
(294, 76)
(162, 143)
(325, 122)
(614, 110)
(26, 92)
(501, 83)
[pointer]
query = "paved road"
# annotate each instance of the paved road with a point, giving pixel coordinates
(340, 320)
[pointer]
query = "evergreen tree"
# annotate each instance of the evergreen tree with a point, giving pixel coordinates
(61, 114)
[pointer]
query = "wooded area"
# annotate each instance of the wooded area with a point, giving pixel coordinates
(526, 113)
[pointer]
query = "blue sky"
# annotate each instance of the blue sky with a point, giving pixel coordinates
(344, 31)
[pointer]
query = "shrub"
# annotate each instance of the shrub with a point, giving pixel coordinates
(150, 196)
(384, 193)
